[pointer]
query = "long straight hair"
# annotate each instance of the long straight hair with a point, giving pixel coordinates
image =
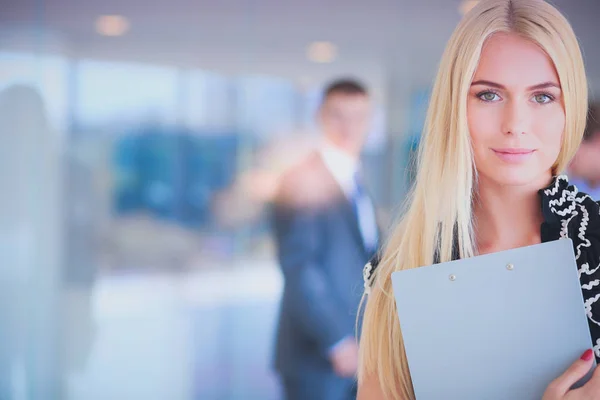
(439, 210)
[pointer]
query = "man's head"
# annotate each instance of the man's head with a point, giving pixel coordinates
(345, 115)
(586, 163)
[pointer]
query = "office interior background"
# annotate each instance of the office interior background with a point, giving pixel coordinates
(161, 128)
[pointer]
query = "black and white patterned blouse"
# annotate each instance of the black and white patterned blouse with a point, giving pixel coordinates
(567, 213)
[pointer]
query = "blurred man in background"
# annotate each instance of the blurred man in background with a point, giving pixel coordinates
(584, 170)
(326, 232)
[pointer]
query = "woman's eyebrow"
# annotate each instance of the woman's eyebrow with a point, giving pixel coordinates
(543, 85)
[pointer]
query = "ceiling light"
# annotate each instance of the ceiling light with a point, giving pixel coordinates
(467, 5)
(321, 52)
(112, 25)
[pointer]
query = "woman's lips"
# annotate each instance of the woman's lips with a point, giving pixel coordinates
(514, 155)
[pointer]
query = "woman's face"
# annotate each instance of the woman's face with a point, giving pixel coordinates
(515, 113)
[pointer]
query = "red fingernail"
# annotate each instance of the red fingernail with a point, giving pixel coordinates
(587, 356)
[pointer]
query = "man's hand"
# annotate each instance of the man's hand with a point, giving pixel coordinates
(344, 358)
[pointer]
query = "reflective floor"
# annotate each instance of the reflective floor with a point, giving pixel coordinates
(180, 336)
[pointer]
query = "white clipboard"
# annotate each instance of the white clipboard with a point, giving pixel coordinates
(495, 327)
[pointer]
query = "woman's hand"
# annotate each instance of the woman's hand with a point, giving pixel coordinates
(560, 388)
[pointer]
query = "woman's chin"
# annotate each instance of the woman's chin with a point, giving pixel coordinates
(517, 177)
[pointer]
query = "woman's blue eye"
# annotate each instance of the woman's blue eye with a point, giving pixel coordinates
(488, 96)
(542, 98)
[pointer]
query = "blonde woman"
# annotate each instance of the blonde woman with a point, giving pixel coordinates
(507, 113)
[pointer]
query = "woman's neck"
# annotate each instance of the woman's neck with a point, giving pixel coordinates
(507, 217)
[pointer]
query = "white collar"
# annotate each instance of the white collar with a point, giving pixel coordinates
(342, 166)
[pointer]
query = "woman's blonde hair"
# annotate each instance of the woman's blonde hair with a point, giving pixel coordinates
(439, 211)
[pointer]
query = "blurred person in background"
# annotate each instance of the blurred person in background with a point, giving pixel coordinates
(326, 230)
(584, 170)
(30, 248)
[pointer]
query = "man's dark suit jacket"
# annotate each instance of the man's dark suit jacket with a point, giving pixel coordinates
(322, 255)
